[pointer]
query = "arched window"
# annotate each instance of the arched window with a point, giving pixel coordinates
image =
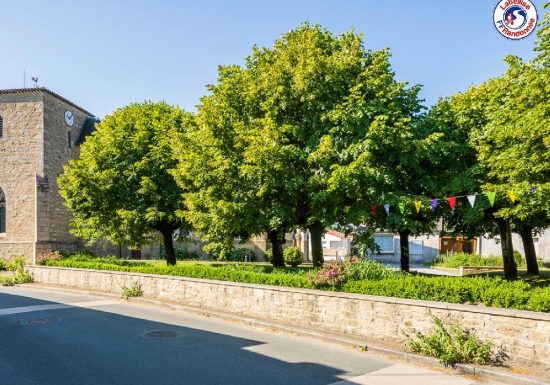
(1, 126)
(2, 211)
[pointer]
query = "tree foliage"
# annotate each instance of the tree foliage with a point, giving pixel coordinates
(121, 188)
(286, 136)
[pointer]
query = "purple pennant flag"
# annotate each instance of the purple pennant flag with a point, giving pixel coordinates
(434, 204)
(387, 208)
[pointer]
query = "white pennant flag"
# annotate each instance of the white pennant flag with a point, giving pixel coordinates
(472, 200)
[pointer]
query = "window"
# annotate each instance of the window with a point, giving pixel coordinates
(415, 247)
(2, 212)
(1, 127)
(69, 141)
(384, 242)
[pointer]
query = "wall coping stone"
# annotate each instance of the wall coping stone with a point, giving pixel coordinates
(480, 309)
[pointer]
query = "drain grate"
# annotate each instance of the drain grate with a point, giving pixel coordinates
(42, 321)
(162, 334)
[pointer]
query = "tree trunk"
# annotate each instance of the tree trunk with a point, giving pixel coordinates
(276, 248)
(526, 234)
(404, 247)
(316, 232)
(169, 246)
(510, 268)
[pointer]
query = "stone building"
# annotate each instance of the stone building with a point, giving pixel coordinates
(40, 132)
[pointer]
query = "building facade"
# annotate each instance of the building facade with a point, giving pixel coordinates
(424, 249)
(40, 132)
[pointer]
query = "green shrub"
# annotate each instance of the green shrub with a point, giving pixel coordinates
(268, 256)
(454, 260)
(293, 256)
(132, 290)
(241, 255)
(2, 264)
(182, 254)
(451, 345)
(370, 269)
(16, 264)
(520, 261)
(17, 278)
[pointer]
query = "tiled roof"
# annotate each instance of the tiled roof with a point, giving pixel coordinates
(44, 90)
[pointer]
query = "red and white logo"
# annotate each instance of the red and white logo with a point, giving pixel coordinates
(515, 19)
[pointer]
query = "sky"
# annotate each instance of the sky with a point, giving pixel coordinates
(104, 54)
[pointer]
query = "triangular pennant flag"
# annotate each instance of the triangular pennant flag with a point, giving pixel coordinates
(434, 204)
(513, 196)
(452, 202)
(401, 207)
(387, 208)
(374, 210)
(417, 205)
(472, 200)
(491, 196)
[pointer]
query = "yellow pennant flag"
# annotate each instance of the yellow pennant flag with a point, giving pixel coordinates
(513, 196)
(417, 204)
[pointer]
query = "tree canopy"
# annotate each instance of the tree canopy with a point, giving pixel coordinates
(287, 135)
(121, 188)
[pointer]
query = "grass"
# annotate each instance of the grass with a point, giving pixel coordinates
(486, 290)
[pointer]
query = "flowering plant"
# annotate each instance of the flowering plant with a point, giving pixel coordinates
(42, 257)
(337, 272)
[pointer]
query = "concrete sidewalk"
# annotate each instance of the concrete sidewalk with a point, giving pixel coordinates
(406, 374)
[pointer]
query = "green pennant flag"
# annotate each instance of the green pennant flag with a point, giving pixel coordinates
(491, 196)
(401, 207)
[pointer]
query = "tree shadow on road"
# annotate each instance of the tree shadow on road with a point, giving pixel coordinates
(89, 346)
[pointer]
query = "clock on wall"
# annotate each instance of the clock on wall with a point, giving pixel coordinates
(69, 118)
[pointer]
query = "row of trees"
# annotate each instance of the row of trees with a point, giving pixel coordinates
(313, 132)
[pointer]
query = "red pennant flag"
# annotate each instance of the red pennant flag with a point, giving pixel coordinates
(374, 210)
(452, 202)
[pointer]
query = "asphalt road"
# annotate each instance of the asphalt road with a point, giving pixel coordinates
(63, 337)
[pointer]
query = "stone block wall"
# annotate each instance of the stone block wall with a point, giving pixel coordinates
(21, 156)
(525, 335)
(54, 218)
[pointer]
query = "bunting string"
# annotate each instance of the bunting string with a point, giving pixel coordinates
(472, 199)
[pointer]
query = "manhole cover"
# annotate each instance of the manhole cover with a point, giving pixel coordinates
(162, 334)
(42, 321)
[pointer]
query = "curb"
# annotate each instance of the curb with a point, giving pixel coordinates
(466, 369)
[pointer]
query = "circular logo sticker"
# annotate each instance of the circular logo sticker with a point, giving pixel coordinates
(515, 19)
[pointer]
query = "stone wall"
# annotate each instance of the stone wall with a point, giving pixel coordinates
(54, 218)
(16, 249)
(20, 154)
(525, 335)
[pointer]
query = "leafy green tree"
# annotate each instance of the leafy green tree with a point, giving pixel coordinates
(121, 188)
(277, 129)
(506, 124)
(543, 42)
(515, 147)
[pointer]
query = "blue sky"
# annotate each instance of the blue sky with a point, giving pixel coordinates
(106, 54)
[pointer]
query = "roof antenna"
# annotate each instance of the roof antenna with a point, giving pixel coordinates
(35, 80)
(24, 76)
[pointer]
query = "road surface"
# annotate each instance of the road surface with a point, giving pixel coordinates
(65, 337)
